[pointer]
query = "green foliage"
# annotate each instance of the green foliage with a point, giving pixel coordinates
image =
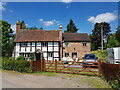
(114, 84)
(117, 34)
(32, 56)
(7, 39)
(71, 28)
(16, 65)
(23, 26)
(112, 42)
(96, 34)
(41, 28)
(32, 28)
(20, 58)
(100, 54)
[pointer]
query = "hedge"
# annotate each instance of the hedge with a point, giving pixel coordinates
(16, 65)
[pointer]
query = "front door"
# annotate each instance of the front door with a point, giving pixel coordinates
(74, 55)
(38, 56)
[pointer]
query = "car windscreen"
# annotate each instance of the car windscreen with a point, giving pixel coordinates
(89, 56)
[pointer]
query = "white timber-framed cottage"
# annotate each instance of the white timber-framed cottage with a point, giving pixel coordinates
(40, 43)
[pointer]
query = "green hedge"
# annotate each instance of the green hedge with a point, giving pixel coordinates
(16, 65)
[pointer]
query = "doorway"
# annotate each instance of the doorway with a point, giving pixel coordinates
(38, 56)
(74, 55)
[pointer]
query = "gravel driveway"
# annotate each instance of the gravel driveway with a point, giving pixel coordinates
(18, 80)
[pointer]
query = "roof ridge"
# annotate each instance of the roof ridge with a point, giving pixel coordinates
(38, 30)
(75, 33)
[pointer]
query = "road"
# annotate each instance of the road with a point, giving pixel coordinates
(17, 80)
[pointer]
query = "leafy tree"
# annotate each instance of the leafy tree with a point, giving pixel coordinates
(7, 39)
(112, 42)
(23, 26)
(117, 34)
(32, 28)
(41, 28)
(96, 34)
(71, 28)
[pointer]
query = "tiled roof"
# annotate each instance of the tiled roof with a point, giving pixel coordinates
(76, 37)
(38, 35)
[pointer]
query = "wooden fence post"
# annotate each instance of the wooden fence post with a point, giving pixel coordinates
(44, 65)
(41, 61)
(56, 66)
(99, 68)
(31, 66)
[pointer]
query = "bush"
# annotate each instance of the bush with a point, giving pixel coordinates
(20, 58)
(16, 65)
(114, 84)
(100, 54)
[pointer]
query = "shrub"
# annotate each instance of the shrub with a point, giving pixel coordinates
(16, 65)
(20, 58)
(114, 84)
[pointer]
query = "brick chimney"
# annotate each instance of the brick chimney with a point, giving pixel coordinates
(18, 26)
(60, 27)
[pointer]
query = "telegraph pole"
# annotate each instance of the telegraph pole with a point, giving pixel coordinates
(102, 38)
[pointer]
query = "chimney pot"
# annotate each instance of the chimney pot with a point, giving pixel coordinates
(60, 26)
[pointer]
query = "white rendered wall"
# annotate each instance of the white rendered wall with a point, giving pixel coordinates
(56, 48)
(51, 46)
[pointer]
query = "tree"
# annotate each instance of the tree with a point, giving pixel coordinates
(7, 39)
(41, 28)
(32, 28)
(117, 34)
(23, 26)
(112, 42)
(71, 28)
(96, 34)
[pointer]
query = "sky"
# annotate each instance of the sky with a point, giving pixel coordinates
(50, 15)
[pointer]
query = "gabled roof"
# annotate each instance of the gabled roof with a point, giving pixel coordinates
(38, 35)
(82, 37)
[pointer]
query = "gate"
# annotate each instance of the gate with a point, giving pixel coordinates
(73, 67)
(37, 65)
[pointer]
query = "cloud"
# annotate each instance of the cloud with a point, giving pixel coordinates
(2, 4)
(105, 17)
(67, 1)
(11, 11)
(41, 19)
(13, 27)
(49, 23)
(67, 7)
(26, 24)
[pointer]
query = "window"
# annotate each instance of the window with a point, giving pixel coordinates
(44, 44)
(66, 54)
(89, 56)
(66, 44)
(26, 55)
(23, 44)
(74, 55)
(21, 54)
(27, 44)
(33, 43)
(38, 43)
(50, 54)
(84, 44)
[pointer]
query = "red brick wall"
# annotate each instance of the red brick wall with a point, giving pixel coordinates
(78, 48)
